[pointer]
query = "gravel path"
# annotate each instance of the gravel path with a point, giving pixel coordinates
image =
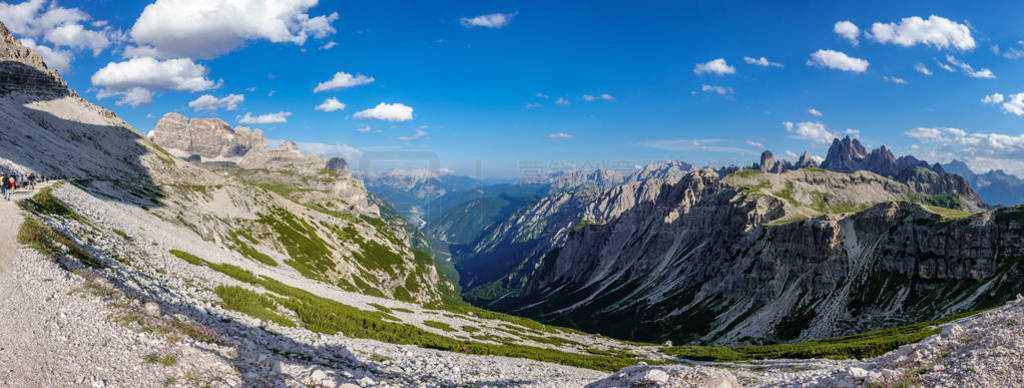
(11, 217)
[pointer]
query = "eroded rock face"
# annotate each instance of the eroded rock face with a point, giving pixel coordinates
(209, 138)
(23, 70)
(338, 165)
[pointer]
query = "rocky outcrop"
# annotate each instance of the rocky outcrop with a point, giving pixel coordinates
(580, 179)
(805, 161)
(996, 187)
(208, 138)
(749, 258)
(848, 155)
(338, 165)
(23, 70)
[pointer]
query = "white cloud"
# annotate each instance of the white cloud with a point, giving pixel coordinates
(762, 61)
(172, 74)
(969, 70)
(53, 58)
(813, 131)
(206, 29)
(924, 133)
(847, 30)
(994, 98)
(792, 155)
(1013, 103)
(75, 36)
(365, 128)
(815, 112)
(716, 66)
(269, 118)
(982, 151)
(331, 105)
(36, 21)
(560, 135)
(415, 136)
(532, 106)
(895, 80)
(945, 67)
(562, 101)
(1012, 52)
(351, 154)
(208, 102)
(853, 132)
(329, 45)
(494, 20)
(389, 112)
(542, 95)
(921, 68)
(135, 97)
(754, 144)
(935, 31)
(721, 90)
(603, 97)
(701, 145)
(343, 80)
(837, 60)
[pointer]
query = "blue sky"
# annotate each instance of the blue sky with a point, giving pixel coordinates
(487, 90)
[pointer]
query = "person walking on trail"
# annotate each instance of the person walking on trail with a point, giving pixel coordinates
(32, 181)
(3, 188)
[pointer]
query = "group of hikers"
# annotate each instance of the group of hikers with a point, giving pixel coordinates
(11, 182)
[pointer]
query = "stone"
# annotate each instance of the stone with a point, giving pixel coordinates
(207, 138)
(151, 309)
(652, 376)
(857, 373)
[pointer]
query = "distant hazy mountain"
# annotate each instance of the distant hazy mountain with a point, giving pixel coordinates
(995, 187)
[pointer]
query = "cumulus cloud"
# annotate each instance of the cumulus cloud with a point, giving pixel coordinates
(721, 90)
(560, 135)
(944, 66)
(969, 70)
(602, 97)
(762, 61)
(269, 118)
(331, 105)
(172, 74)
(814, 112)
(935, 31)
(847, 30)
(134, 97)
(384, 111)
(351, 154)
(562, 101)
(415, 136)
(715, 66)
(895, 80)
(210, 28)
(36, 21)
(210, 103)
(837, 60)
(494, 20)
(343, 80)
(921, 68)
(813, 131)
(982, 151)
(994, 98)
(138, 79)
(53, 58)
(1013, 103)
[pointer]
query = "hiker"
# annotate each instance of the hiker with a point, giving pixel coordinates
(32, 181)
(3, 187)
(11, 180)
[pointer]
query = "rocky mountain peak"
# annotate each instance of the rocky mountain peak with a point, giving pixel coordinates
(23, 70)
(206, 137)
(844, 155)
(338, 165)
(806, 161)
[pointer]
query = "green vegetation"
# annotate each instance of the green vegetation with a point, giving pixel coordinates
(327, 316)
(439, 325)
(44, 203)
(787, 194)
(51, 243)
(865, 345)
(121, 233)
(165, 360)
(946, 213)
(188, 257)
(746, 173)
(784, 221)
(251, 303)
(310, 254)
(1010, 214)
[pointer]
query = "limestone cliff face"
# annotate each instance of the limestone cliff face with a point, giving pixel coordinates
(22, 69)
(208, 138)
(749, 258)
